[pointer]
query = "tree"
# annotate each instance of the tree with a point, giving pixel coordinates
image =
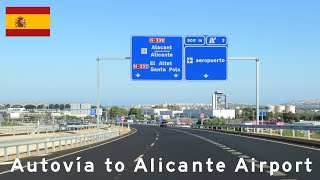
(248, 114)
(289, 117)
(134, 112)
(269, 115)
(173, 108)
(317, 118)
(117, 112)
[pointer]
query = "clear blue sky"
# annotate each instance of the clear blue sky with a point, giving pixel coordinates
(284, 34)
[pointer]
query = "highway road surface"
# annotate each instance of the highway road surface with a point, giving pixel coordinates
(177, 145)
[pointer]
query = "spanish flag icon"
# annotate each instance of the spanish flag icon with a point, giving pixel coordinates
(28, 21)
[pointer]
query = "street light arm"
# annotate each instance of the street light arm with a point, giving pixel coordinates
(245, 59)
(113, 58)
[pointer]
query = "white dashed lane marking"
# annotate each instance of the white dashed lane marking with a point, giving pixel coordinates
(136, 160)
(277, 173)
(244, 157)
(251, 160)
(240, 155)
(236, 153)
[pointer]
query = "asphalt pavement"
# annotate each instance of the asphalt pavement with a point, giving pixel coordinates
(181, 146)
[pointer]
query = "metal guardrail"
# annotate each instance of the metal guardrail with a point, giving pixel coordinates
(2, 128)
(38, 129)
(14, 147)
(255, 128)
(15, 129)
(78, 127)
(289, 127)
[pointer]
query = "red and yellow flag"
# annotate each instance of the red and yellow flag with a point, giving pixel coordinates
(28, 21)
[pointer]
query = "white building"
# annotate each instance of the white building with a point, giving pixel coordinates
(279, 108)
(224, 113)
(14, 115)
(290, 108)
(147, 111)
(195, 113)
(80, 109)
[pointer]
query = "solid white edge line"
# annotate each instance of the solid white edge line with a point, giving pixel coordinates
(6, 163)
(136, 160)
(256, 138)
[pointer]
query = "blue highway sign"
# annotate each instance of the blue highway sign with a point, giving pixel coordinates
(156, 57)
(93, 111)
(262, 113)
(205, 57)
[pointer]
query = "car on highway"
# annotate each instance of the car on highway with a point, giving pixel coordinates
(62, 127)
(163, 124)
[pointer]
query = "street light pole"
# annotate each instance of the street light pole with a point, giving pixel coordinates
(98, 94)
(257, 89)
(257, 82)
(98, 83)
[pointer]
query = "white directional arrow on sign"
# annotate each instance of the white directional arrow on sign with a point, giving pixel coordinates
(175, 75)
(206, 75)
(138, 75)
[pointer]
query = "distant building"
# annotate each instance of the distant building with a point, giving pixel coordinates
(164, 112)
(270, 108)
(224, 113)
(290, 108)
(238, 111)
(80, 109)
(147, 111)
(280, 108)
(221, 113)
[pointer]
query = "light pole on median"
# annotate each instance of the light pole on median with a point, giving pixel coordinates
(257, 82)
(98, 83)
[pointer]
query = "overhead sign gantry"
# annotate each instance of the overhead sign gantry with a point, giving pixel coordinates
(177, 58)
(156, 57)
(171, 57)
(205, 57)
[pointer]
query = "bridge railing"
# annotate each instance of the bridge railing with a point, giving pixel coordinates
(37, 144)
(80, 127)
(16, 129)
